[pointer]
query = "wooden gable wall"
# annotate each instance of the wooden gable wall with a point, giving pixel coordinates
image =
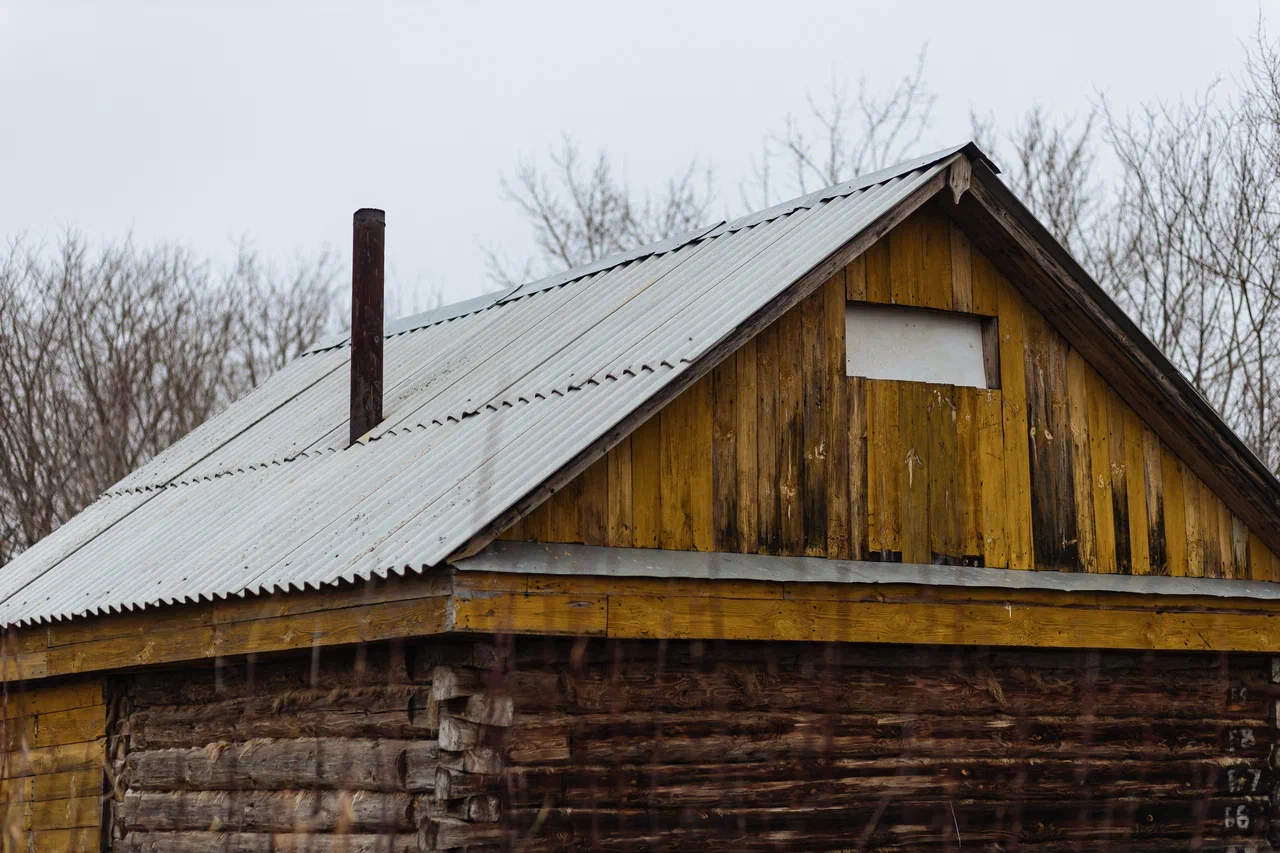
(776, 451)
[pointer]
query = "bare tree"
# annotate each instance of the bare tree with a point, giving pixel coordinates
(109, 356)
(842, 135)
(580, 212)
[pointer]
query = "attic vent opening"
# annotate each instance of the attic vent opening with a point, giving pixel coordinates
(921, 345)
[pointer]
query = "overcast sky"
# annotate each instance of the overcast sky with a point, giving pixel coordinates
(201, 122)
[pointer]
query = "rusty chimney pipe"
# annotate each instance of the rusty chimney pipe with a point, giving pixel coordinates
(369, 229)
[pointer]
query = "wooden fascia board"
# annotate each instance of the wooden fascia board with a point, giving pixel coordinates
(682, 609)
(1093, 324)
(762, 319)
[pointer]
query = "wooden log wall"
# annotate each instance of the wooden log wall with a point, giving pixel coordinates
(327, 752)
(778, 452)
(51, 765)
(642, 746)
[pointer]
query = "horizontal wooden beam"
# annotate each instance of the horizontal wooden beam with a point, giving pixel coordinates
(681, 608)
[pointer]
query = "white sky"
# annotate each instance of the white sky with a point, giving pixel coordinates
(201, 122)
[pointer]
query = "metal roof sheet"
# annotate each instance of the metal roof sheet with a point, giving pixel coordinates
(485, 400)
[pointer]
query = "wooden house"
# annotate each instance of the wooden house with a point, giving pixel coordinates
(865, 522)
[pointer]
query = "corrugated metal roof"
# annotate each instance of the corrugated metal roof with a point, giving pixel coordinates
(484, 401)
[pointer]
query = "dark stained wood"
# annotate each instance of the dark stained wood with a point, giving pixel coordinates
(814, 481)
(724, 460)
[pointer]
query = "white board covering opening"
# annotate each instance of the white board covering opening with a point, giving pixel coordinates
(915, 345)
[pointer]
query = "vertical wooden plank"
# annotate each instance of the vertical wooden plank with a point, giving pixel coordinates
(619, 533)
(935, 273)
(856, 392)
(677, 530)
(1081, 459)
(791, 425)
(1139, 543)
(985, 280)
(1175, 513)
(537, 524)
(913, 470)
(595, 502)
(1197, 563)
(968, 475)
(515, 532)
(748, 485)
(646, 484)
(884, 458)
(1226, 542)
(1017, 460)
(837, 411)
(855, 279)
(879, 278)
(1211, 525)
(724, 455)
(1100, 468)
(906, 256)
(566, 512)
(1240, 547)
(1053, 516)
(698, 459)
(767, 434)
(991, 470)
(1153, 480)
(961, 269)
(1259, 559)
(1119, 483)
(944, 476)
(813, 481)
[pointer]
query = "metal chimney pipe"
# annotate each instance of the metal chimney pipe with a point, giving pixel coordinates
(369, 231)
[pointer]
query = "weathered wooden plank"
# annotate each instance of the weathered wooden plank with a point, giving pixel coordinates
(944, 476)
(81, 840)
(961, 269)
(1135, 465)
(747, 453)
(677, 474)
(701, 488)
(1017, 459)
(24, 701)
(1054, 535)
(1153, 481)
(1259, 559)
(884, 460)
(913, 470)
(73, 726)
(855, 279)
(936, 279)
(986, 284)
(595, 502)
(1081, 459)
(1175, 513)
(878, 274)
(991, 470)
(1211, 524)
(566, 512)
(1099, 426)
(836, 410)
(906, 262)
(724, 456)
(859, 517)
(791, 414)
(968, 475)
(813, 482)
(66, 814)
(768, 431)
(1197, 562)
(646, 483)
(619, 530)
(1119, 466)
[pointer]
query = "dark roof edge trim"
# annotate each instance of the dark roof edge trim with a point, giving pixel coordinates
(596, 561)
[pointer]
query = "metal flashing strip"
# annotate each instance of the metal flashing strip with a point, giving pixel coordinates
(596, 561)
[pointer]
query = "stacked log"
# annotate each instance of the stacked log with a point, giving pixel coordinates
(280, 755)
(634, 746)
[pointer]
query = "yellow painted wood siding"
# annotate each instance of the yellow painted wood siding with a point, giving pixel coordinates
(776, 451)
(51, 765)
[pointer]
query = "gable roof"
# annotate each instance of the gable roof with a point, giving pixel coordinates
(490, 405)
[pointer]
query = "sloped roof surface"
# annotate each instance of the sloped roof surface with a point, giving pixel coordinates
(484, 401)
